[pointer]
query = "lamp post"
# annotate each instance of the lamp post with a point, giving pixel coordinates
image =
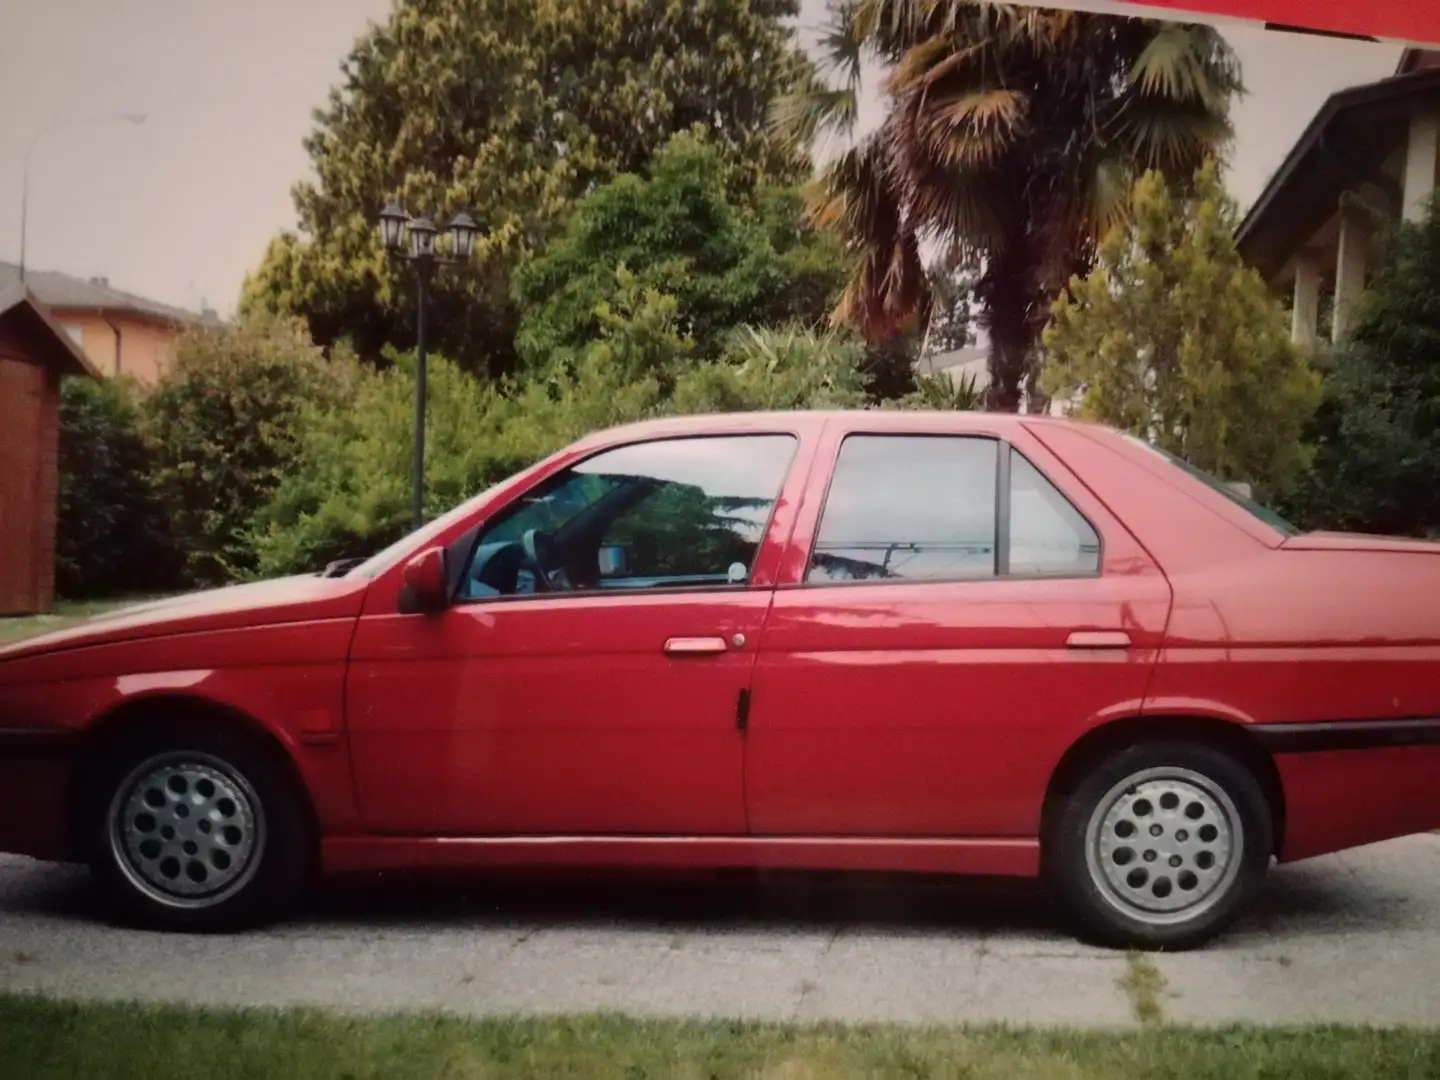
(395, 224)
(129, 118)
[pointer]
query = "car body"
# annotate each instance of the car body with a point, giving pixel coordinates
(691, 665)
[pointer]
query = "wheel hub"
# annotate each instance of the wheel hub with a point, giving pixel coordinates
(186, 829)
(1164, 845)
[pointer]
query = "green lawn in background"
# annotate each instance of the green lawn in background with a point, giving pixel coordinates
(41, 1039)
(62, 614)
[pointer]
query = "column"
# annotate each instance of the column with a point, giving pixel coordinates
(1420, 155)
(1349, 268)
(1305, 311)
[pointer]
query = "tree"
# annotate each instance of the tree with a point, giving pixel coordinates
(224, 429)
(1011, 138)
(1377, 434)
(1174, 338)
(112, 535)
(510, 110)
(725, 260)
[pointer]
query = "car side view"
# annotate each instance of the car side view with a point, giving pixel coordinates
(953, 643)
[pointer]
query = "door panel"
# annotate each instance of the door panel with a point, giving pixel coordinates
(554, 715)
(935, 710)
(892, 707)
(588, 678)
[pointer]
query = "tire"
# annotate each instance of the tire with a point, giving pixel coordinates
(1129, 887)
(195, 828)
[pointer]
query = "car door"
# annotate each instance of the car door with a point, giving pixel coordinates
(955, 611)
(587, 675)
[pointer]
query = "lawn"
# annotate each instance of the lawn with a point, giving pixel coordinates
(42, 1039)
(63, 613)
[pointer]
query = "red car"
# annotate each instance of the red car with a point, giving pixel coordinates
(957, 643)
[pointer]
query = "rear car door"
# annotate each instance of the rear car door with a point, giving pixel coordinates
(587, 676)
(955, 611)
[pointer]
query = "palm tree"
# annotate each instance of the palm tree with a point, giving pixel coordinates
(1011, 139)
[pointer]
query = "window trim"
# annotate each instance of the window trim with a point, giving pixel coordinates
(1004, 447)
(477, 530)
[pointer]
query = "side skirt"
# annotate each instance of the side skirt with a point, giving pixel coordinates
(1005, 857)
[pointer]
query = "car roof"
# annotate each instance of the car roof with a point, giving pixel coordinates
(801, 421)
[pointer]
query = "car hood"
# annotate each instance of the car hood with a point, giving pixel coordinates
(1336, 541)
(292, 599)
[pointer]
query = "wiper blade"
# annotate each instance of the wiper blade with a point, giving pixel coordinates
(340, 567)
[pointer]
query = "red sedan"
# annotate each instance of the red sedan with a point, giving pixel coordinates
(956, 643)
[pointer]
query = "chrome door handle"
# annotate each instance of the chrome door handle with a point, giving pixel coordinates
(695, 646)
(1098, 639)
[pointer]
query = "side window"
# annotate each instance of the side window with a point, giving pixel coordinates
(668, 514)
(908, 508)
(1047, 534)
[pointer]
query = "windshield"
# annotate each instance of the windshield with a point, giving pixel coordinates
(1264, 513)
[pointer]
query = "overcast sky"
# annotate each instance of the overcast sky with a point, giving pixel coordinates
(180, 207)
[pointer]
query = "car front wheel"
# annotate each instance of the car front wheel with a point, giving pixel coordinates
(1161, 845)
(198, 831)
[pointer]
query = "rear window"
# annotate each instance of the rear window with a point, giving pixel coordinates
(1264, 513)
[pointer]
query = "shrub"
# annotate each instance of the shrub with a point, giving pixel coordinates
(1377, 434)
(348, 493)
(111, 530)
(224, 429)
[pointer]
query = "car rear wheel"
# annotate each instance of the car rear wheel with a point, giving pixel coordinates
(1161, 845)
(197, 831)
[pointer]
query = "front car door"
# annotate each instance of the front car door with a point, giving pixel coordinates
(586, 678)
(955, 610)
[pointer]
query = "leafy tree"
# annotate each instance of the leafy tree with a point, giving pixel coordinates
(1377, 434)
(510, 110)
(111, 531)
(1011, 136)
(1172, 337)
(724, 260)
(224, 428)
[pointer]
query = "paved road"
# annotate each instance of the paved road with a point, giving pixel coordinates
(1354, 937)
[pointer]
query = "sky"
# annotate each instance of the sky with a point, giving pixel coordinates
(180, 207)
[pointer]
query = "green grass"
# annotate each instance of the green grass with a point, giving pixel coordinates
(61, 615)
(42, 1039)
(1143, 984)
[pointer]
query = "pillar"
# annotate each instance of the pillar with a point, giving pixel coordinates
(1349, 268)
(1420, 156)
(1305, 311)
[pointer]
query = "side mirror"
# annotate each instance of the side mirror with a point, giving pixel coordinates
(426, 582)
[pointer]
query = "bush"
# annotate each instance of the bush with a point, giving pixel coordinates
(224, 428)
(111, 531)
(775, 369)
(1377, 434)
(348, 493)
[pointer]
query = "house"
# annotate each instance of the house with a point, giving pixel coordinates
(1369, 156)
(35, 353)
(121, 333)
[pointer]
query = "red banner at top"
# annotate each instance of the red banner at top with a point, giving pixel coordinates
(1414, 22)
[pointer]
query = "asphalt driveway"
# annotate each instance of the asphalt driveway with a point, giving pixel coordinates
(1349, 938)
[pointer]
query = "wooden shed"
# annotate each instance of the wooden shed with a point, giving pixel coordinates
(35, 354)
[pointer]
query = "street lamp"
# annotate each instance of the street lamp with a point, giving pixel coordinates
(395, 223)
(129, 118)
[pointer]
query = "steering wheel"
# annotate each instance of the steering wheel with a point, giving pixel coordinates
(540, 557)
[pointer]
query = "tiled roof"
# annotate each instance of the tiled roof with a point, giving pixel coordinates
(63, 291)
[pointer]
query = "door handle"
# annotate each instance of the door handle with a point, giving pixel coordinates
(694, 646)
(1098, 639)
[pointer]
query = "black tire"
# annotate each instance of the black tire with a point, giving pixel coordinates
(219, 771)
(1118, 902)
